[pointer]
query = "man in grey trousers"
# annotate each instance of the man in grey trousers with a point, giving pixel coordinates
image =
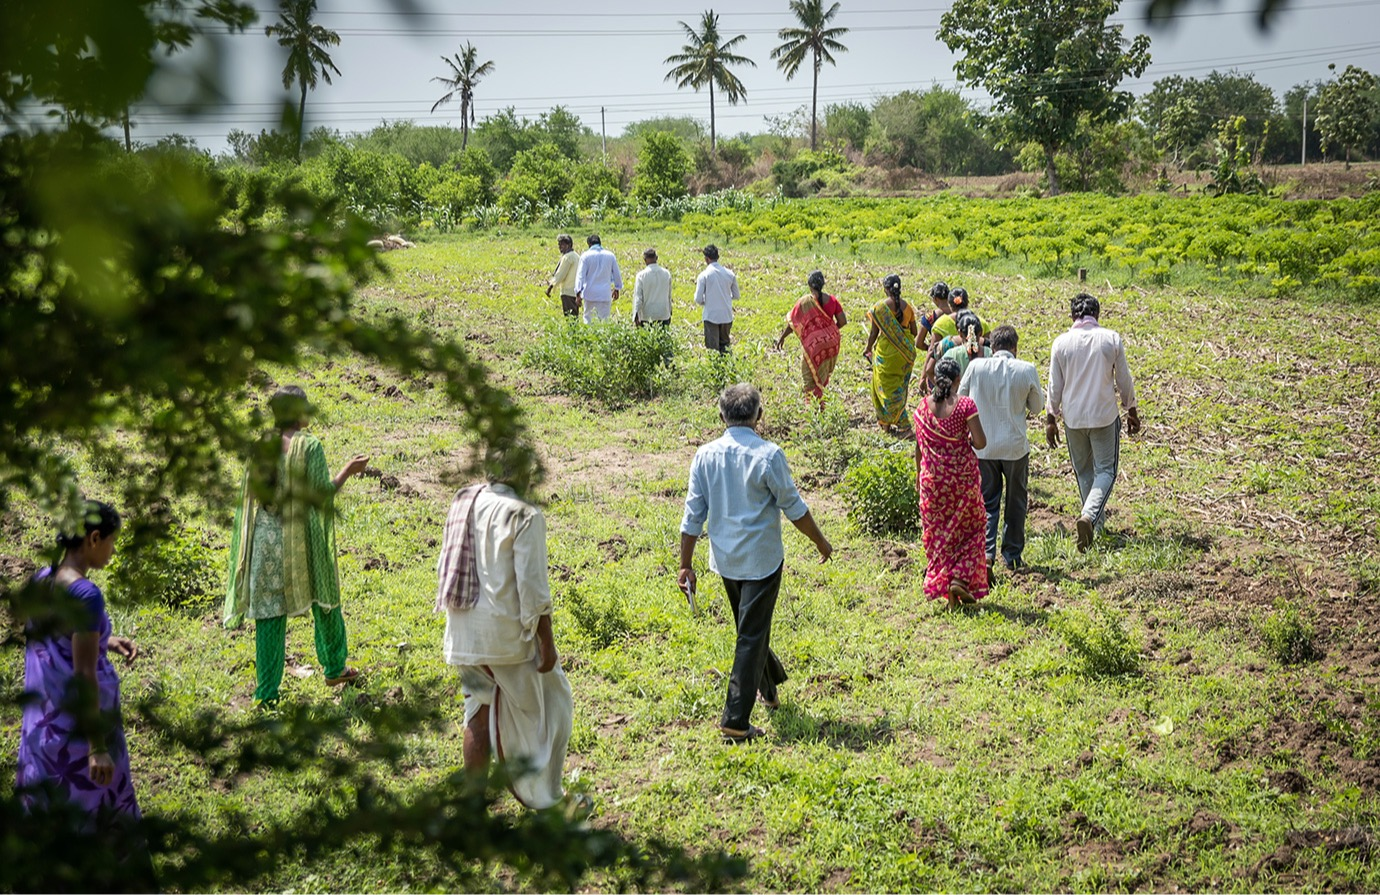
(1087, 370)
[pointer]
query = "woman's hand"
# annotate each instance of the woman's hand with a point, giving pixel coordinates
(356, 466)
(124, 647)
(100, 768)
(868, 355)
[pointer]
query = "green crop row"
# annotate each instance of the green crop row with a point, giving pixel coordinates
(1285, 246)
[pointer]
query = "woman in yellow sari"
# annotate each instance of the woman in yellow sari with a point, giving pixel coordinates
(893, 319)
(816, 320)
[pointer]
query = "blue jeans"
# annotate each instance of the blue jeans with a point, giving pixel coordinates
(1016, 473)
(1096, 454)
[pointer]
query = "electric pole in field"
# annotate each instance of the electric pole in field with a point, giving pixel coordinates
(1303, 155)
(603, 137)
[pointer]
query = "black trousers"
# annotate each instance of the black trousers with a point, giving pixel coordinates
(755, 666)
(1016, 473)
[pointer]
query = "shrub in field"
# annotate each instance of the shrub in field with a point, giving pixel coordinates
(173, 568)
(826, 438)
(1288, 634)
(1101, 642)
(881, 493)
(614, 363)
(662, 168)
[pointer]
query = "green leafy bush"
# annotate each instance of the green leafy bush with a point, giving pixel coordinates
(172, 567)
(615, 363)
(1288, 634)
(881, 493)
(600, 618)
(828, 437)
(1101, 642)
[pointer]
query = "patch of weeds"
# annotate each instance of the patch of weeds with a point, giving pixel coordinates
(1101, 641)
(881, 492)
(1288, 634)
(1367, 571)
(602, 620)
(167, 563)
(709, 372)
(615, 363)
(826, 438)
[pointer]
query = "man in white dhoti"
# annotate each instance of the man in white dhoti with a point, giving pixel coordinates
(494, 590)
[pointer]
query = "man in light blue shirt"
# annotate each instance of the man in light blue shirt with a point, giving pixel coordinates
(1006, 391)
(716, 289)
(741, 485)
(597, 280)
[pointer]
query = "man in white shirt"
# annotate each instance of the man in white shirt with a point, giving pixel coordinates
(1005, 391)
(716, 289)
(652, 293)
(597, 280)
(1087, 370)
(494, 590)
(564, 277)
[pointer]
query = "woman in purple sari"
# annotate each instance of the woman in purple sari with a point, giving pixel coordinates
(65, 664)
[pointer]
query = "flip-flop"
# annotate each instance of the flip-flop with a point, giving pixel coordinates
(738, 737)
(959, 591)
(346, 676)
(770, 705)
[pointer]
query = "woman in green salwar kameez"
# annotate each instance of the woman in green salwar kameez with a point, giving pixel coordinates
(282, 552)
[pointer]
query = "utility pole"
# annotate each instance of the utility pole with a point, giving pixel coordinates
(603, 137)
(1303, 156)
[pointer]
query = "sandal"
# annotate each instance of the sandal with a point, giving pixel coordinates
(770, 705)
(958, 593)
(1085, 534)
(346, 676)
(733, 737)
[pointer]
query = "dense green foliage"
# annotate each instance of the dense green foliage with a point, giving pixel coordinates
(881, 493)
(1284, 246)
(615, 364)
(662, 167)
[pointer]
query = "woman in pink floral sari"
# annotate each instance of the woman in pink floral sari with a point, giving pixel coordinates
(816, 320)
(947, 430)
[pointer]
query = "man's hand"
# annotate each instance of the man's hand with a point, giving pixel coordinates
(825, 549)
(125, 647)
(615, 295)
(1132, 422)
(546, 646)
(548, 291)
(687, 580)
(1051, 431)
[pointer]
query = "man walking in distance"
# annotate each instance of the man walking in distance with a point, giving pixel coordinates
(1087, 369)
(652, 293)
(741, 485)
(597, 280)
(494, 591)
(564, 277)
(1006, 391)
(716, 289)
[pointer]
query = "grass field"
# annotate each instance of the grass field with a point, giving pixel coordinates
(916, 749)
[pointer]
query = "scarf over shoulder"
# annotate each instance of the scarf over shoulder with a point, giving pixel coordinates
(304, 503)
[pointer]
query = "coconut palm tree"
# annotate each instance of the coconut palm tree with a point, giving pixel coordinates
(811, 38)
(306, 44)
(465, 73)
(705, 61)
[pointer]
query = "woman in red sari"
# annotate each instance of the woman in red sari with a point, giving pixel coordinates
(947, 430)
(816, 320)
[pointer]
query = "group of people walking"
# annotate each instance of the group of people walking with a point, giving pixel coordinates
(972, 467)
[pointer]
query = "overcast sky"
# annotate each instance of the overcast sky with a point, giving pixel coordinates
(611, 55)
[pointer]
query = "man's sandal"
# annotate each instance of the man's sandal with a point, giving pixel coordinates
(738, 737)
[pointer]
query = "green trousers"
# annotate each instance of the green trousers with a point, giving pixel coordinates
(270, 649)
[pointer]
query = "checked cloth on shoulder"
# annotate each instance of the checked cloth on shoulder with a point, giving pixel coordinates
(456, 568)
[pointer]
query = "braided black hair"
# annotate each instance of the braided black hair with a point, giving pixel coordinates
(966, 320)
(940, 291)
(892, 286)
(946, 373)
